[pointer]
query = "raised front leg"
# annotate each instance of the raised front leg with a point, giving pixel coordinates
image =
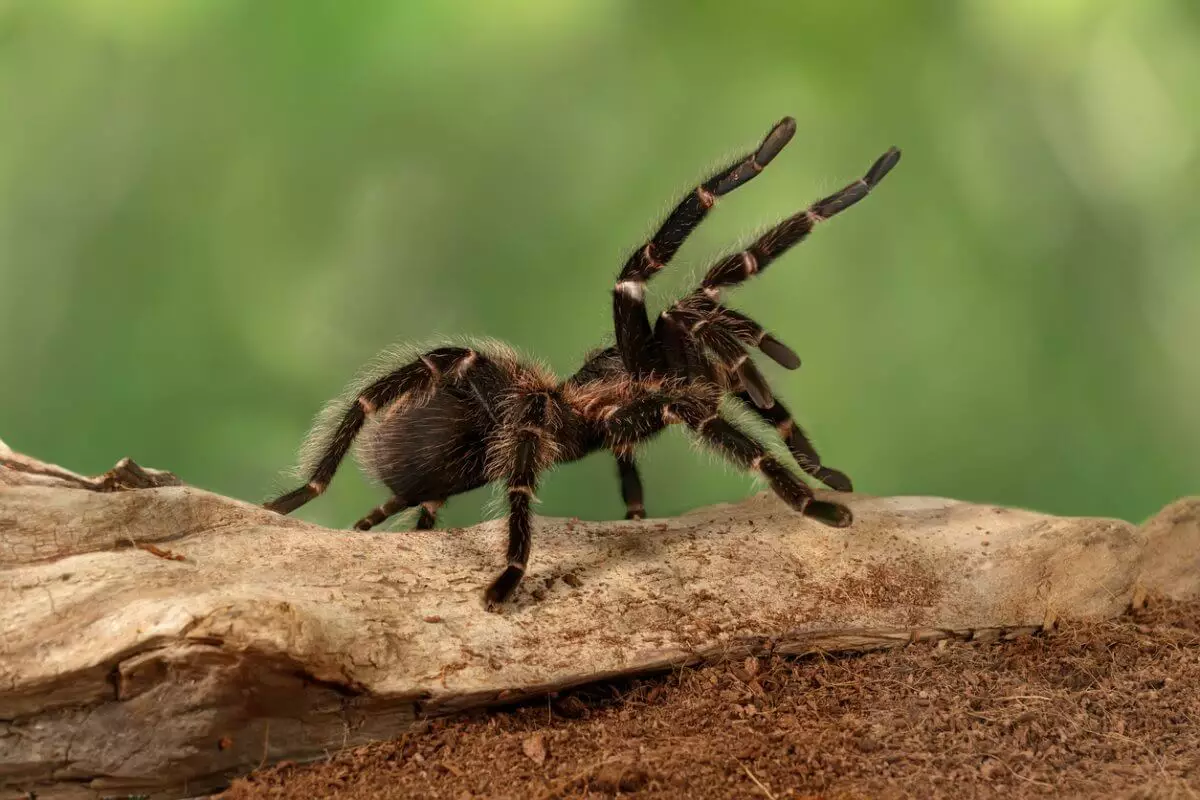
(701, 322)
(635, 339)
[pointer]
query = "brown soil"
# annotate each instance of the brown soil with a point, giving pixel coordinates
(1101, 710)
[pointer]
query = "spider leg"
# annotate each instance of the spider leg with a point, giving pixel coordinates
(746, 330)
(730, 354)
(633, 333)
(631, 485)
(525, 454)
(703, 303)
(726, 333)
(640, 419)
(411, 380)
(624, 427)
(427, 519)
(377, 516)
(799, 445)
(736, 268)
(750, 454)
(756, 393)
(683, 354)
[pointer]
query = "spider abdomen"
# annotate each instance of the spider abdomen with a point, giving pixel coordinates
(458, 433)
(430, 451)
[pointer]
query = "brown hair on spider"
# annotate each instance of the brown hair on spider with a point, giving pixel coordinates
(456, 418)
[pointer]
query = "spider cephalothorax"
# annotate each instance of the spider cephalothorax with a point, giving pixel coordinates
(456, 418)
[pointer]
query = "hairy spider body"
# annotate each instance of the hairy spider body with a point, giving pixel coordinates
(456, 418)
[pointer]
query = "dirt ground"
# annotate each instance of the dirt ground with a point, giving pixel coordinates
(1102, 710)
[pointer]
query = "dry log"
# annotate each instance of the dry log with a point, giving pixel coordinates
(159, 639)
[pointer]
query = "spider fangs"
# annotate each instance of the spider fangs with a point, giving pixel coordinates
(458, 417)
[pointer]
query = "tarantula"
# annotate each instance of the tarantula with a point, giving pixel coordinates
(457, 418)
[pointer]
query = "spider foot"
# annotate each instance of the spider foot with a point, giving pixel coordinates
(832, 514)
(275, 506)
(289, 502)
(503, 587)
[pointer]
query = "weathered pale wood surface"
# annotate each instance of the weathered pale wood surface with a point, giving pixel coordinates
(160, 640)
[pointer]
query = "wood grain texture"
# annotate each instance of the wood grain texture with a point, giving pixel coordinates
(161, 640)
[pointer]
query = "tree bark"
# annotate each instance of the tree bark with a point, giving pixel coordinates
(159, 639)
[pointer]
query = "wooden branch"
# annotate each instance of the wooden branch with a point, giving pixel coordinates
(164, 639)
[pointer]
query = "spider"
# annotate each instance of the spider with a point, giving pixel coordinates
(456, 418)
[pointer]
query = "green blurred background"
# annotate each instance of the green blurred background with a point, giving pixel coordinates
(212, 213)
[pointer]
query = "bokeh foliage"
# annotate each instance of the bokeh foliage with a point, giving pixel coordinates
(213, 212)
